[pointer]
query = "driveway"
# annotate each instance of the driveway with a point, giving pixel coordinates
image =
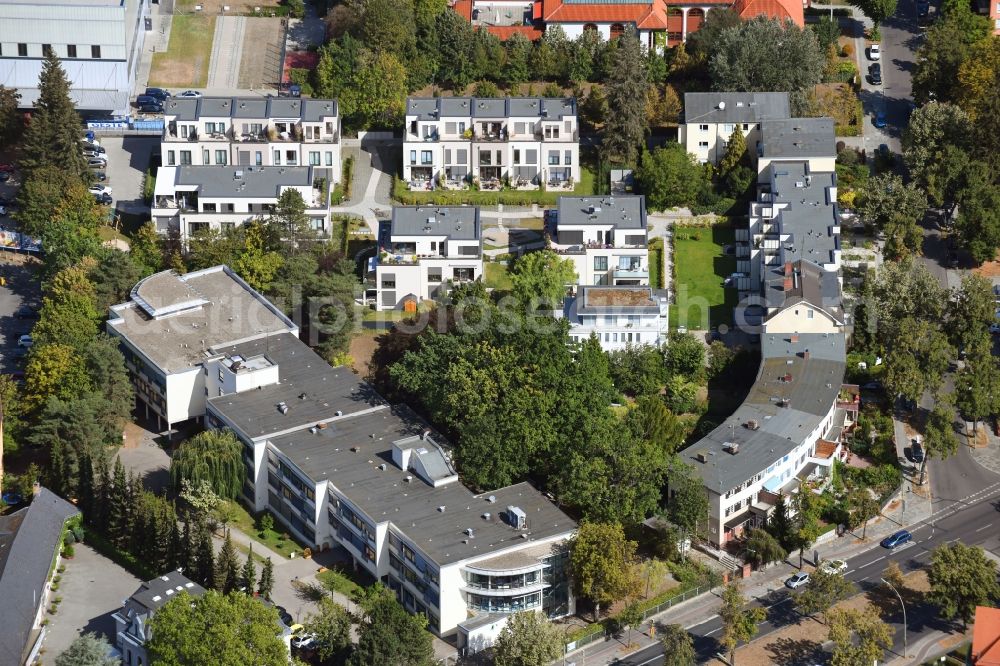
(22, 286)
(128, 159)
(92, 588)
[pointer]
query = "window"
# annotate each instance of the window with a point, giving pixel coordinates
(727, 129)
(185, 157)
(22, 50)
(314, 159)
(552, 132)
(703, 128)
(703, 144)
(746, 127)
(329, 159)
(277, 157)
(568, 157)
(600, 263)
(809, 314)
(206, 156)
(221, 157)
(517, 156)
(426, 157)
(413, 157)
(554, 157)
(95, 51)
(46, 49)
(209, 208)
(170, 158)
(258, 158)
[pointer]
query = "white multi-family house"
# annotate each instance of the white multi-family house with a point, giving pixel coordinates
(132, 620)
(169, 326)
(226, 160)
(424, 251)
(618, 316)
(526, 141)
(605, 236)
(809, 140)
(188, 199)
(710, 118)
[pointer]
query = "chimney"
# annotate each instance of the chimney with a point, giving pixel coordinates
(805, 355)
(788, 269)
(787, 284)
(794, 338)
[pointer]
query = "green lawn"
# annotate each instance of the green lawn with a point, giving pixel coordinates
(700, 268)
(496, 276)
(403, 195)
(186, 60)
(275, 539)
(335, 580)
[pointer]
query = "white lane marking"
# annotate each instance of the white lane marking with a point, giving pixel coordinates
(985, 527)
(713, 631)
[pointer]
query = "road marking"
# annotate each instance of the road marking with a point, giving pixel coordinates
(985, 527)
(952, 541)
(861, 580)
(713, 631)
(848, 573)
(876, 560)
(778, 603)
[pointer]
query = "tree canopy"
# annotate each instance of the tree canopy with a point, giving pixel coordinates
(670, 177)
(528, 639)
(765, 54)
(388, 634)
(962, 577)
(215, 456)
(602, 562)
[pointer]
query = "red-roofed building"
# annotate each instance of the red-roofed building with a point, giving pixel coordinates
(986, 637)
(660, 23)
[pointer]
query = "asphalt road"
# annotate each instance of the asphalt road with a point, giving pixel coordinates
(973, 521)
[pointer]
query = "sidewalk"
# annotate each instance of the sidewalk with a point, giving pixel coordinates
(760, 584)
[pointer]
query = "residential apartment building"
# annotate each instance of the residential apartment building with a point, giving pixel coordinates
(618, 316)
(170, 326)
(449, 142)
(710, 119)
(339, 467)
(242, 152)
(424, 251)
(605, 236)
(658, 23)
(189, 199)
(98, 43)
(132, 620)
(809, 140)
(30, 543)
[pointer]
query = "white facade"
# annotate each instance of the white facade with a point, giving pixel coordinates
(451, 142)
(708, 141)
(425, 251)
(98, 43)
(619, 317)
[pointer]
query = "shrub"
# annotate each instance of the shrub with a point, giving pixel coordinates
(148, 186)
(846, 51)
(69, 538)
(302, 77)
(78, 533)
(265, 522)
(68, 551)
(296, 9)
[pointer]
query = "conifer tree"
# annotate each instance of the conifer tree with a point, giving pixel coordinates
(204, 563)
(52, 138)
(118, 505)
(736, 151)
(626, 125)
(227, 567)
(248, 576)
(102, 488)
(266, 579)
(85, 487)
(183, 556)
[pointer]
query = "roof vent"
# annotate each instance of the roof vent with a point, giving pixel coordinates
(752, 424)
(491, 499)
(302, 396)
(518, 519)
(408, 478)
(338, 413)
(425, 434)
(701, 456)
(441, 509)
(722, 106)
(238, 175)
(468, 532)
(314, 430)
(381, 467)
(282, 407)
(355, 449)
(732, 448)
(487, 516)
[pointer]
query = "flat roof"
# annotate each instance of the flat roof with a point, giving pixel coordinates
(173, 320)
(311, 389)
(620, 211)
(809, 214)
(435, 108)
(234, 182)
(789, 399)
(735, 107)
(350, 451)
(617, 297)
(261, 108)
(453, 222)
(797, 138)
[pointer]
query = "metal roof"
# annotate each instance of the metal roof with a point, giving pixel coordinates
(277, 108)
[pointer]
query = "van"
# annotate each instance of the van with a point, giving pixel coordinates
(146, 100)
(160, 94)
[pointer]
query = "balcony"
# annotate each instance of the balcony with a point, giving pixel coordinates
(282, 132)
(557, 138)
(637, 273)
(171, 134)
(323, 138)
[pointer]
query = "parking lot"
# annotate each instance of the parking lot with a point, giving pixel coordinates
(128, 159)
(21, 288)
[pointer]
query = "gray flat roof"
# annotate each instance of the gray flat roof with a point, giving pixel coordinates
(621, 211)
(349, 452)
(312, 390)
(797, 138)
(807, 386)
(617, 300)
(737, 107)
(454, 222)
(435, 108)
(236, 182)
(153, 594)
(28, 540)
(810, 215)
(281, 108)
(225, 310)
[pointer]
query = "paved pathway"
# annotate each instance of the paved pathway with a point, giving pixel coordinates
(227, 50)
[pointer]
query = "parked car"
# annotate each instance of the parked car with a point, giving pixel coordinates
(896, 540)
(25, 341)
(100, 189)
(304, 641)
(285, 616)
(91, 139)
(158, 93)
(97, 163)
(151, 108)
(798, 580)
(190, 93)
(7, 168)
(995, 327)
(874, 52)
(834, 566)
(3, 210)
(91, 153)
(875, 74)
(917, 451)
(26, 312)
(103, 199)
(97, 148)
(879, 119)
(99, 175)
(145, 99)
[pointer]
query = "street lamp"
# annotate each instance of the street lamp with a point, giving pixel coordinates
(904, 612)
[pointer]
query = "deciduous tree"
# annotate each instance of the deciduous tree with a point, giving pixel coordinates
(917, 360)
(877, 10)
(823, 591)
(602, 561)
(962, 577)
(89, 649)
(540, 279)
(215, 456)
(687, 506)
(862, 507)
(765, 54)
(933, 128)
(739, 624)
(859, 636)
(894, 208)
(388, 634)
(528, 639)
(678, 646)
(762, 548)
(669, 177)
(971, 310)
(331, 624)
(226, 630)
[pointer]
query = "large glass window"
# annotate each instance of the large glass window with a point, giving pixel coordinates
(600, 263)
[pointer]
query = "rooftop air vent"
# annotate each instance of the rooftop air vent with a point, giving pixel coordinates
(238, 175)
(408, 478)
(722, 106)
(282, 407)
(338, 413)
(701, 456)
(487, 516)
(302, 396)
(752, 424)
(469, 532)
(732, 448)
(441, 509)
(491, 499)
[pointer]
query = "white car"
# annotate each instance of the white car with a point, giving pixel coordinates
(98, 190)
(190, 93)
(25, 341)
(798, 580)
(874, 52)
(304, 641)
(834, 566)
